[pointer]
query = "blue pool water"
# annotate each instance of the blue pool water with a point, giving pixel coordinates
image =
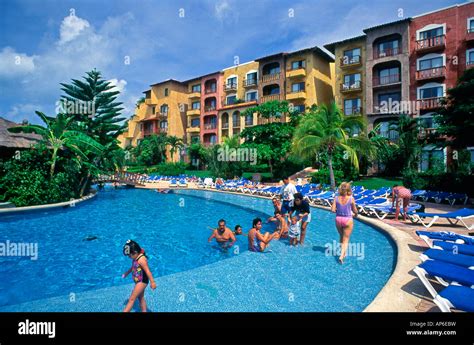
(172, 228)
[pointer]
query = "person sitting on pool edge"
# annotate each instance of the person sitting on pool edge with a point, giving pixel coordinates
(223, 235)
(277, 208)
(257, 241)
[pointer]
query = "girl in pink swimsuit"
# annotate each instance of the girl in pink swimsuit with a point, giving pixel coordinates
(344, 206)
(400, 195)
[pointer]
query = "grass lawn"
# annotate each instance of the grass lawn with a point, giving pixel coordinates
(198, 173)
(376, 182)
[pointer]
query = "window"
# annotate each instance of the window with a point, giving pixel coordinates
(388, 47)
(251, 96)
(249, 120)
(431, 157)
(251, 78)
(470, 25)
(232, 82)
(194, 122)
(231, 99)
(352, 81)
(196, 88)
(388, 130)
(297, 87)
(166, 92)
(196, 105)
(273, 69)
(153, 109)
(430, 63)
(236, 119)
(164, 124)
(470, 57)
(298, 64)
(431, 92)
(389, 97)
(352, 106)
(300, 108)
(431, 33)
(164, 109)
(389, 75)
(352, 56)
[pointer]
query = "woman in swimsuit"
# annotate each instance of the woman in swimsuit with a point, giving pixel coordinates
(344, 206)
(400, 195)
(141, 274)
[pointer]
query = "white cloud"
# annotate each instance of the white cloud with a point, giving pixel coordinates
(71, 27)
(20, 112)
(119, 85)
(13, 64)
(222, 10)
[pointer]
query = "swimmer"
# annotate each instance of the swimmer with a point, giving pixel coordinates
(257, 241)
(223, 235)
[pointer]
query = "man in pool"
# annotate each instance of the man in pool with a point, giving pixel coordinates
(223, 235)
(257, 241)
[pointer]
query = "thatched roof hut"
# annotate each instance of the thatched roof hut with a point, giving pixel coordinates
(10, 142)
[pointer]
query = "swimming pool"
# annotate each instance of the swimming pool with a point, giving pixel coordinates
(172, 228)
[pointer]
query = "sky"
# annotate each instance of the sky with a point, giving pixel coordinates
(135, 43)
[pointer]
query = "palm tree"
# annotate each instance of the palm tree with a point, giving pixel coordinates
(57, 136)
(174, 143)
(326, 129)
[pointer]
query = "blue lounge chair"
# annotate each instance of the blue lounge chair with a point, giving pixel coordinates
(418, 194)
(458, 216)
(173, 183)
(462, 260)
(464, 249)
(430, 236)
(444, 273)
(383, 211)
(455, 297)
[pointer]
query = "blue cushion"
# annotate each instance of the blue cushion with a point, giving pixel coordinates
(449, 257)
(465, 249)
(461, 297)
(449, 272)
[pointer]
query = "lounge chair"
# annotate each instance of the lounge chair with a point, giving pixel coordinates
(444, 273)
(462, 260)
(458, 216)
(430, 236)
(455, 297)
(382, 211)
(457, 248)
(173, 183)
(418, 194)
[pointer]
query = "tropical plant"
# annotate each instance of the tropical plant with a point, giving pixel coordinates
(174, 144)
(326, 129)
(58, 135)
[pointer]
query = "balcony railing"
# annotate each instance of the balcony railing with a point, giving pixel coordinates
(162, 114)
(353, 111)
(162, 130)
(270, 77)
(355, 86)
(209, 108)
(248, 123)
(210, 90)
(431, 43)
(210, 126)
(431, 73)
(350, 61)
(429, 103)
(230, 87)
(386, 52)
(267, 98)
(250, 82)
(386, 80)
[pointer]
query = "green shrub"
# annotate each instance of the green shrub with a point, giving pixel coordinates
(322, 176)
(445, 182)
(169, 169)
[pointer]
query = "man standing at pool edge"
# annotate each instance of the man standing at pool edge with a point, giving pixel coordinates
(287, 192)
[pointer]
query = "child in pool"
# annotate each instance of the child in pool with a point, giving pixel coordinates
(294, 230)
(140, 272)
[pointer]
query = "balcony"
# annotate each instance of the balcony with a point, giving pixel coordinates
(295, 73)
(353, 111)
(230, 87)
(431, 73)
(469, 64)
(390, 135)
(388, 80)
(426, 133)
(194, 95)
(269, 98)
(250, 83)
(193, 130)
(209, 108)
(294, 95)
(270, 77)
(210, 126)
(148, 101)
(356, 86)
(378, 54)
(429, 103)
(354, 61)
(210, 90)
(161, 114)
(470, 35)
(430, 44)
(192, 112)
